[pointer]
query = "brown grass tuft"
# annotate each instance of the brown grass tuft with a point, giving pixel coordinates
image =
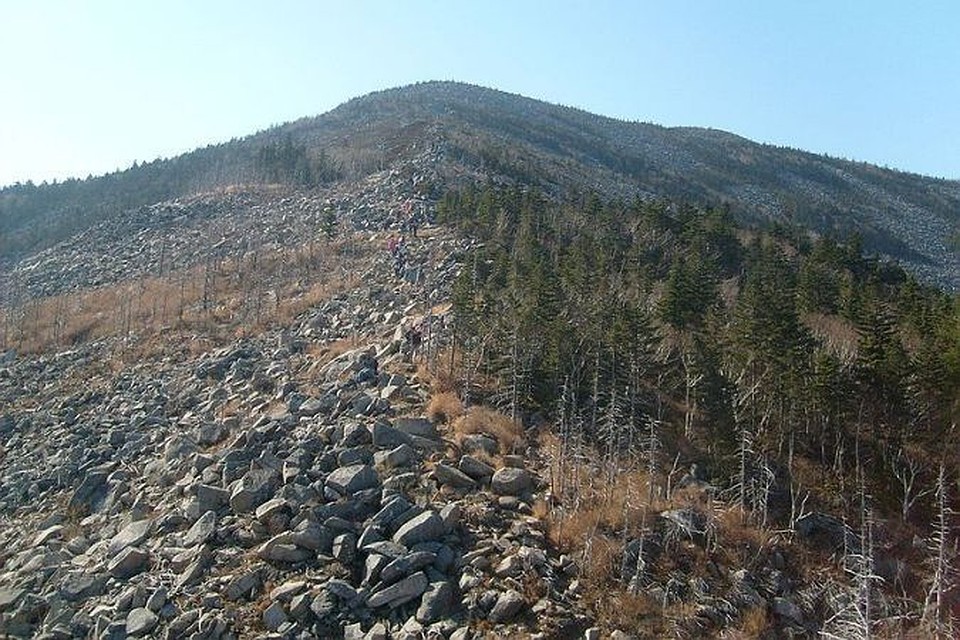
(754, 622)
(444, 408)
(508, 433)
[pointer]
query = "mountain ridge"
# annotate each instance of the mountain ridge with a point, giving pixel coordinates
(506, 136)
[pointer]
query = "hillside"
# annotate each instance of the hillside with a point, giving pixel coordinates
(426, 366)
(473, 130)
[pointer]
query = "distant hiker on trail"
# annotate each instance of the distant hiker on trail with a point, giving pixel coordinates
(412, 338)
(398, 249)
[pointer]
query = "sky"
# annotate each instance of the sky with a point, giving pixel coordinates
(90, 87)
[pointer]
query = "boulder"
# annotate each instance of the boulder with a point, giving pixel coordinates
(508, 605)
(254, 488)
(423, 528)
(475, 468)
(419, 427)
(437, 603)
(450, 476)
(202, 530)
(511, 481)
(400, 593)
(128, 563)
(349, 480)
(140, 622)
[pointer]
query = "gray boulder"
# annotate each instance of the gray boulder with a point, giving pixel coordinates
(476, 469)
(400, 593)
(254, 488)
(437, 603)
(422, 528)
(508, 605)
(445, 474)
(141, 621)
(350, 480)
(202, 530)
(511, 481)
(131, 535)
(128, 563)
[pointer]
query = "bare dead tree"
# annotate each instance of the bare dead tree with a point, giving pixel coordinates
(936, 613)
(798, 497)
(906, 470)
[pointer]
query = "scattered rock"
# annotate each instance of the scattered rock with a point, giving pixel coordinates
(437, 602)
(128, 563)
(354, 478)
(202, 530)
(140, 622)
(422, 528)
(508, 605)
(511, 481)
(400, 593)
(448, 475)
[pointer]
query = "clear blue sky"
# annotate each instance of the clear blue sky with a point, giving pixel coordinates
(89, 87)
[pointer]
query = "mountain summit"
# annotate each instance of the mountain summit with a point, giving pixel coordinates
(507, 138)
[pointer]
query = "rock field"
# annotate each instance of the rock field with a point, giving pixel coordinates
(285, 486)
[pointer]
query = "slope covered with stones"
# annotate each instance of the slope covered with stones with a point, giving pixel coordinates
(286, 485)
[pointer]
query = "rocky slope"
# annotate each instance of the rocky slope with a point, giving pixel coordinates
(286, 485)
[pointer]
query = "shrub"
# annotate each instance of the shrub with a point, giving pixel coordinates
(508, 433)
(444, 408)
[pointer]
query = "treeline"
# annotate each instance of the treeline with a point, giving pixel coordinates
(617, 319)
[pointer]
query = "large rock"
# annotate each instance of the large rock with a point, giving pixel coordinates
(9, 597)
(508, 605)
(280, 548)
(511, 482)
(141, 621)
(445, 474)
(407, 565)
(311, 535)
(350, 480)
(355, 435)
(202, 530)
(128, 563)
(400, 456)
(131, 535)
(244, 585)
(476, 469)
(400, 593)
(437, 603)
(419, 427)
(386, 437)
(422, 528)
(91, 491)
(210, 498)
(274, 617)
(254, 488)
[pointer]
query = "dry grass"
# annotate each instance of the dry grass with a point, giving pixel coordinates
(754, 623)
(740, 537)
(620, 609)
(226, 300)
(508, 433)
(598, 507)
(444, 408)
